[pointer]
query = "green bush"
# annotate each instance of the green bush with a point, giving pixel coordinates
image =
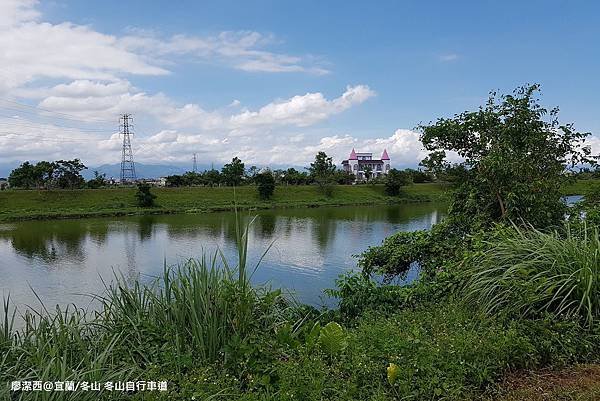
(143, 196)
(396, 179)
(265, 184)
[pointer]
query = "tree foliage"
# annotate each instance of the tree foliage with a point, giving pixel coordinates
(515, 156)
(322, 172)
(98, 181)
(143, 195)
(396, 179)
(265, 184)
(58, 174)
(233, 173)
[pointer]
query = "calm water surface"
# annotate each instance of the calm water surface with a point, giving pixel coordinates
(63, 259)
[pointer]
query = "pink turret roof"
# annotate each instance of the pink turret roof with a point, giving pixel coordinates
(353, 155)
(385, 156)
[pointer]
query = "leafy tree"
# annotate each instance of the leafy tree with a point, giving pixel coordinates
(212, 177)
(98, 181)
(144, 197)
(25, 176)
(294, 177)
(368, 172)
(174, 181)
(515, 156)
(322, 173)
(396, 179)
(322, 167)
(233, 173)
(45, 174)
(190, 178)
(343, 177)
(251, 173)
(67, 173)
(265, 184)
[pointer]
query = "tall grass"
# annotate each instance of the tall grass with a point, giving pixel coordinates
(528, 272)
(184, 318)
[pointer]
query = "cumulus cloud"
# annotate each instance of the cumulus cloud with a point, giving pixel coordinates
(80, 79)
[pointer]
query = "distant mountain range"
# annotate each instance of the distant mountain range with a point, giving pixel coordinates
(141, 170)
(113, 170)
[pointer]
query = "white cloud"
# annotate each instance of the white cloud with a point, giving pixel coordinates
(303, 110)
(449, 57)
(76, 72)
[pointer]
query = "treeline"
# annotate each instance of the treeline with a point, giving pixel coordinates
(66, 174)
(236, 174)
(323, 169)
(57, 174)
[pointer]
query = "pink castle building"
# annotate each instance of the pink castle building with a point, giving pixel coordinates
(358, 162)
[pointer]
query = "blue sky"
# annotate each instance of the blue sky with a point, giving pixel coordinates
(411, 62)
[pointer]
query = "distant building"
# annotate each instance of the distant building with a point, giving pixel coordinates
(3, 183)
(358, 162)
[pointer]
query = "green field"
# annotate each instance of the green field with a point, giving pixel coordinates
(20, 205)
(581, 187)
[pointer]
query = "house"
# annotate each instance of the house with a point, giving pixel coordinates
(361, 163)
(3, 183)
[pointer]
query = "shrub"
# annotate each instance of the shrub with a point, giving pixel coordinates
(529, 272)
(144, 197)
(394, 180)
(265, 185)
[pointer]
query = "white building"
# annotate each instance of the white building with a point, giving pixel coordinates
(358, 162)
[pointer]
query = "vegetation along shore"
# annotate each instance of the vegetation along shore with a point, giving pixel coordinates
(508, 292)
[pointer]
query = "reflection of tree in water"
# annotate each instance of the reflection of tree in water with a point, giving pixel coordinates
(52, 241)
(264, 226)
(145, 227)
(324, 228)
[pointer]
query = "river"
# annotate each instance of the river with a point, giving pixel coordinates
(64, 259)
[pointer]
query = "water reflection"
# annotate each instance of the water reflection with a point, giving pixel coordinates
(311, 247)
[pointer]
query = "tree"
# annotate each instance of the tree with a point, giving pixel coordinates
(252, 172)
(144, 197)
(368, 171)
(98, 181)
(233, 173)
(265, 184)
(294, 177)
(174, 181)
(24, 176)
(515, 156)
(394, 180)
(322, 167)
(344, 177)
(322, 173)
(191, 178)
(67, 173)
(212, 177)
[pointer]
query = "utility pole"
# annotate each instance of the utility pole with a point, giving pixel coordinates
(195, 164)
(127, 164)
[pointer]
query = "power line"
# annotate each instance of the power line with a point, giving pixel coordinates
(20, 122)
(58, 113)
(41, 138)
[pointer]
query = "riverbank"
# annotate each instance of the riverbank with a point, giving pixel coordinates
(55, 204)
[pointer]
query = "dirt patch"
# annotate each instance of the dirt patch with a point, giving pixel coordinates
(581, 383)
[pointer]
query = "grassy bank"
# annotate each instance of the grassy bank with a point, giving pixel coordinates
(580, 187)
(21, 205)
(210, 335)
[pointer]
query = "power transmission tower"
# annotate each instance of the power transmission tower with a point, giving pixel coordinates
(127, 164)
(195, 164)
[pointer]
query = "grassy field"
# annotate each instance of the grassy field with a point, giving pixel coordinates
(580, 187)
(21, 205)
